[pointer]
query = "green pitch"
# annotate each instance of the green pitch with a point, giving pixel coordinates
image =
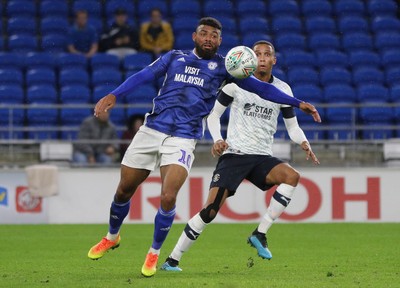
(304, 255)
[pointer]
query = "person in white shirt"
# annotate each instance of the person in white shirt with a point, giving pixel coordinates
(248, 150)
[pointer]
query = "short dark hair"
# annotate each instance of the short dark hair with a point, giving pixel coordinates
(210, 21)
(264, 42)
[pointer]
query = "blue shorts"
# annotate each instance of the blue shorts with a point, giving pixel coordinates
(232, 169)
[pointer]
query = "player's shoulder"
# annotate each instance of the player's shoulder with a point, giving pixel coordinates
(279, 83)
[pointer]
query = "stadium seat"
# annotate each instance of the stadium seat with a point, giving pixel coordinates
(50, 8)
(298, 58)
(73, 76)
(320, 24)
(364, 58)
(68, 61)
(308, 92)
(253, 25)
(113, 5)
(183, 42)
(229, 41)
(385, 24)
(279, 73)
(392, 76)
(11, 60)
(218, 8)
(43, 123)
(349, 7)
(323, 41)
(93, 8)
(53, 25)
(21, 25)
(249, 39)
(337, 115)
(395, 95)
(382, 7)
(143, 94)
(11, 94)
(104, 60)
(16, 8)
(75, 93)
(257, 8)
(22, 43)
(357, 41)
(332, 58)
(228, 25)
(333, 75)
(54, 43)
(386, 41)
(340, 93)
(11, 76)
(144, 8)
(2, 45)
(106, 77)
(312, 8)
(118, 116)
(139, 60)
(184, 25)
(288, 7)
(97, 24)
(14, 116)
(74, 116)
(101, 91)
(374, 118)
(137, 110)
(367, 75)
(36, 60)
(184, 8)
(283, 24)
(290, 41)
(303, 75)
(391, 58)
(40, 76)
(372, 92)
(41, 94)
(350, 24)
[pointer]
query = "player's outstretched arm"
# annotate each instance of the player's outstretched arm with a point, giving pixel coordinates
(104, 104)
(310, 109)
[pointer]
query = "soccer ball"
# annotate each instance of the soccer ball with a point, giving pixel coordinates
(241, 62)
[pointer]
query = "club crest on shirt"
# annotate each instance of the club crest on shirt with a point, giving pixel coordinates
(212, 65)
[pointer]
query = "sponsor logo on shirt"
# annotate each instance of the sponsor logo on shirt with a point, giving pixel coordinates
(190, 76)
(256, 111)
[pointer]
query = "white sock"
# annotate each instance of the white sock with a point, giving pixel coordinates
(112, 237)
(154, 251)
(184, 243)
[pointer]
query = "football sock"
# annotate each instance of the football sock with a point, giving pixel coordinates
(162, 225)
(118, 212)
(279, 201)
(191, 232)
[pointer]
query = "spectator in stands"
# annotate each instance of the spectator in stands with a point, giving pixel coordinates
(156, 35)
(101, 129)
(133, 125)
(82, 37)
(121, 39)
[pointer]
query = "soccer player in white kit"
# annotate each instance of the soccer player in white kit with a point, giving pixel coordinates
(247, 154)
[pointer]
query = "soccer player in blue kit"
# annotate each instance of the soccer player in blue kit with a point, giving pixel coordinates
(170, 132)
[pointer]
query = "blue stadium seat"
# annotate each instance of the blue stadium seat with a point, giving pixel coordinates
(2, 45)
(373, 118)
(333, 75)
(40, 76)
(288, 7)
(41, 94)
(139, 60)
(106, 77)
(308, 92)
(340, 93)
(257, 8)
(229, 41)
(382, 7)
(113, 5)
(320, 24)
(387, 40)
(101, 91)
(303, 75)
(392, 76)
(252, 25)
(372, 92)
(218, 8)
(67, 61)
(54, 43)
(349, 24)
(16, 8)
(11, 93)
(364, 58)
(144, 8)
(286, 23)
(53, 25)
(385, 24)
(93, 8)
(364, 75)
(50, 8)
(11, 76)
(228, 25)
(21, 25)
(118, 116)
(74, 116)
(395, 94)
(97, 24)
(290, 41)
(137, 110)
(73, 76)
(143, 94)
(104, 60)
(183, 42)
(323, 41)
(22, 43)
(316, 8)
(185, 26)
(181, 8)
(335, 115)
(299, 58)
(75, 93)
(11, 60)
(332, 58)
(35, 60)
(43, 122)
(249, 39)
(357, 41)
(14, 116)
(349, 7)
(279, 73)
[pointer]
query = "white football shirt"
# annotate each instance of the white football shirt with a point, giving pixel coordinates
(252, 120)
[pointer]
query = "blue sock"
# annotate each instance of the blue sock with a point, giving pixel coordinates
(118, 212)
(162, 225)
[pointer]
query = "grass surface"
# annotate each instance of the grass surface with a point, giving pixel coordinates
(305, 255)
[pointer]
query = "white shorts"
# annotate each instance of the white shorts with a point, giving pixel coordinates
(151, 149)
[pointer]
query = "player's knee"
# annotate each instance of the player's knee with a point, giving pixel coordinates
(208, 214)
(292, 177)
(168, 201)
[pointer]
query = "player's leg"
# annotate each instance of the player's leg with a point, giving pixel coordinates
(172, 176)
(196, 225)
(130, 179)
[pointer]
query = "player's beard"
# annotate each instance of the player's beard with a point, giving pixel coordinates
(205, 54)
